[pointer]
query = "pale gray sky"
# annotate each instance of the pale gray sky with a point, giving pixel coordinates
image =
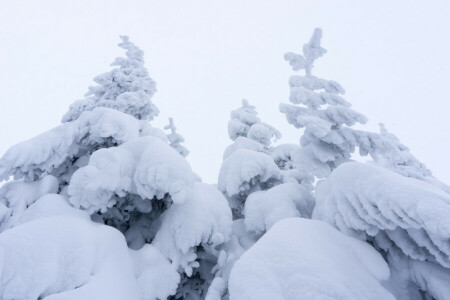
(392, 57)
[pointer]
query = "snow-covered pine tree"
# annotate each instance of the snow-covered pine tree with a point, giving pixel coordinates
(127, 88)
(403, 218)
(247, 166)
(115, 169)
(175, 139)
(328, 139)
(261, 186)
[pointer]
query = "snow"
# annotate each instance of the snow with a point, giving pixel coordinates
(49, 205)
(65, 258)
(243, 143)
(145, 166)
(204, 218)
(264, 208)
(128, 88)
(48, 151)
(308, 259)
(157, 277)
(363, 199)
(175, 139)
(16, 196)
(284, 154)
(263, 133)
(245, 168)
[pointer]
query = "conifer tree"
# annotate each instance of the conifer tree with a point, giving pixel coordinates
(175, 139)
(127, 88)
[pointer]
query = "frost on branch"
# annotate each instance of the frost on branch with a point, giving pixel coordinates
(394, 212)
(308, 259)
(127, 88)
(175, 139)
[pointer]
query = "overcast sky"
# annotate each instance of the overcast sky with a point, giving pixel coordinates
(392, 57)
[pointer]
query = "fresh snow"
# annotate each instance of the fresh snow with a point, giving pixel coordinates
(307, 259)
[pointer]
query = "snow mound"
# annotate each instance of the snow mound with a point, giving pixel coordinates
(204, 218)
(244, 169)
(16, 196)
(50, 150)
(65, 258)
(398, 211)
(308, 259)
(146, 166)
(265, 208)
(50, 205)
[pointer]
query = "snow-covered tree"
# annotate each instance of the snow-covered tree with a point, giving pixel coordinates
(404, 218)
(113, 168)
(261, 186)
(327, 119)
(328, 139)
(175, 139)
(127, 88)
(247, 166)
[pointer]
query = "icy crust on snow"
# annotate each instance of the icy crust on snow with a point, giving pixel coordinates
(398, 211)
(145, 166)
(265, 208)
(16, 196)
(128, 88)
(308, 259)
(65, 258)
(203, 219)
(53, 149)
(244, 169)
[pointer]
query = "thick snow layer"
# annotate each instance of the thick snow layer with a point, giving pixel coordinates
(308, 259)
(16, 196)
(204, 218)
(127, 88)
(263, 133)
(146, 166)
(398, 211)
(157, 277)
(243, 143)
(284, 154)
(65, 258)
(265, 208)
(50, 205)
(49, 150)
(431, 278)
(244, 169)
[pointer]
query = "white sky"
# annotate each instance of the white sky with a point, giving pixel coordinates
(392, 57)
